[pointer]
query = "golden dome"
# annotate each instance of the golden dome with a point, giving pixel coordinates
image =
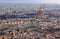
(41, 9)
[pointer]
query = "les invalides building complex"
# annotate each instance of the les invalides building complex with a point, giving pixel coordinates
(41, 13)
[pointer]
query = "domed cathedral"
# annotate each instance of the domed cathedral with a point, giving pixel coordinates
(41, 13)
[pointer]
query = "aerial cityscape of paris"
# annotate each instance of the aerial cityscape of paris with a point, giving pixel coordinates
(29, 19)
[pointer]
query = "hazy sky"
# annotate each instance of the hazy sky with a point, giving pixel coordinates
(30, 1)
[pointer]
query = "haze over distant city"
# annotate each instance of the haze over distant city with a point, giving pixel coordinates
(31, 1)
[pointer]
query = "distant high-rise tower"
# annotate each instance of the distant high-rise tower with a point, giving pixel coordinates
(41, 13)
